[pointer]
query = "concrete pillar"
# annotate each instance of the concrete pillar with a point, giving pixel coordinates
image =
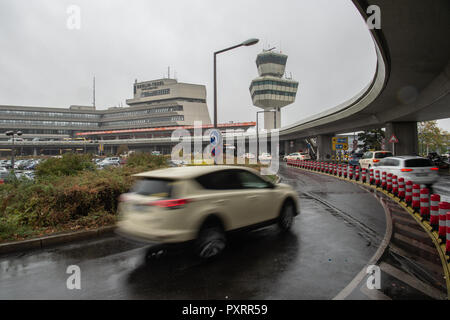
(269, 121)
(406, 133)
(34, 152)
(324, 146)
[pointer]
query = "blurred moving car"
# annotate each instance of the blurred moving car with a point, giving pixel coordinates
(417, 169)
(201, 204)
(354, 158)
(107, 162)
(297, 156)
(372, 157)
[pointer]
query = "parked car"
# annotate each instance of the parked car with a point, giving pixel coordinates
(372, 157)
(297, 156)
(417, 169)
(111, 161)
(248, 156)
(265, 157)
(156, 153)
(201, 204)
(354, 158)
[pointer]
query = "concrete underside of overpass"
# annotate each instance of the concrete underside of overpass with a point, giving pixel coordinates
(412, 81)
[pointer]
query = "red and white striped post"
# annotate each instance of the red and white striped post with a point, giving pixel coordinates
(425, 203)
(389, 182)
(383, 180)
(345, 171)
(444, 207)
(335, 169)
(377, 177)
(364, 175)
(350, 171)
(434, 211)
(416, 197)
(394, 185)
(401, 188)
(408, 194)
(357, 173)
(339, 170)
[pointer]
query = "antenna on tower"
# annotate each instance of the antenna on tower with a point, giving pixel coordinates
(93, 94)
(168, 72)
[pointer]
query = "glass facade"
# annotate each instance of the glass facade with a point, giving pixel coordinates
(45, 123)
(155, 93)
(274, 83)
(123, 114)
(144, 121)
(274, 92)
(271, 58)
(45, 114)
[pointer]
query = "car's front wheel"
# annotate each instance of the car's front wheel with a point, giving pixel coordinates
(287, 214)
(211, 242)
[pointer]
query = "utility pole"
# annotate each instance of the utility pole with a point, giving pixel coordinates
(93, 103)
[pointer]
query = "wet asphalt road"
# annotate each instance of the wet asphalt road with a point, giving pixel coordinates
(337, 232)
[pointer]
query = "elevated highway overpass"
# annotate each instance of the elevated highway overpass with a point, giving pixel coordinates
(411, 82)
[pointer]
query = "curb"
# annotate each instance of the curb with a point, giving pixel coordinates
(44, 242)
(424, 224)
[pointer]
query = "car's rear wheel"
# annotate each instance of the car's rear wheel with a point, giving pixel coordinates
(287, 214)
(211, 241)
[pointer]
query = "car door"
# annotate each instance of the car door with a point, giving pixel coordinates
(223, 194)
(260, 198)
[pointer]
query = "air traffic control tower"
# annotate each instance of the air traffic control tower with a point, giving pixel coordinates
(272, 91)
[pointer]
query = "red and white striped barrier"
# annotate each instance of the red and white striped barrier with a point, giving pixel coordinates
(350, 171)
(357, 173)
(434, 211)
(364, 175)
(416, 197)
(389, 182)
(394, 184)
(424, 203)
(444, 207)
(401, 188)
(375, 180)
(340, 170)
(383, 180)
(345, 170)
(408, 194)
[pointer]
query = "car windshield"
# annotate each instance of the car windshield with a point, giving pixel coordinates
(153, 187)
(381, 155)
(419, 162)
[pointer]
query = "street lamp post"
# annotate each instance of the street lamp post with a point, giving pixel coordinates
(246, 43)
(257, 130)
(12, 133)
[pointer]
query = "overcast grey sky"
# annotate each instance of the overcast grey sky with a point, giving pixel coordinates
(43, 63)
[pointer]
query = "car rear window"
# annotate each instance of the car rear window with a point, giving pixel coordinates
(153, 187)
(381, 155)
(414, 163)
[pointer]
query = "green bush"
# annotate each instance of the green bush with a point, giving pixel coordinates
(69, 165)
(67, 196)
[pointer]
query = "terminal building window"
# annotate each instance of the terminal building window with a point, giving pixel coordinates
(274, 83)
(49, 114)
(155, 93)
(274, 92)
(144, 121)
(143, 112)
(49, 123)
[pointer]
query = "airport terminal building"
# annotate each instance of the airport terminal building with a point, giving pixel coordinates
(156, 103)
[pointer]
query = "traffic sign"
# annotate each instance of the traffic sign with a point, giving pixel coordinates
(393, 139)
(339, 140)
(215, 137)
(340, 146)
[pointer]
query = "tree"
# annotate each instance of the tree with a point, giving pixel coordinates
(122, 149)
(431, 138)
(372, 139)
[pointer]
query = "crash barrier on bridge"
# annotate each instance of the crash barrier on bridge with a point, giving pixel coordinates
(428, 210)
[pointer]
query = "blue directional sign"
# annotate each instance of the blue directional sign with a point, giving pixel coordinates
(215, 137)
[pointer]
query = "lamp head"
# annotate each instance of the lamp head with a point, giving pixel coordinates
(250, 42)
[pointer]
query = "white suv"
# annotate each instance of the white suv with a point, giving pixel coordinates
(202, 203)
(417, 169)
(370, 158)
